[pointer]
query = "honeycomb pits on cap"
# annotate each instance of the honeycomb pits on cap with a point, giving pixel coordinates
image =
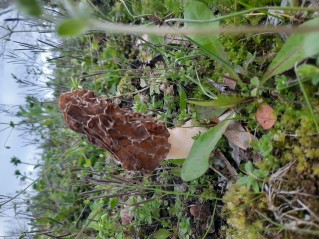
(139, 142)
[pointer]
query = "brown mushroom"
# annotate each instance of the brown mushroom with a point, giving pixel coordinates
(140, 142)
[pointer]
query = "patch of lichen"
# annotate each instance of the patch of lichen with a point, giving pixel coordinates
(240, 212)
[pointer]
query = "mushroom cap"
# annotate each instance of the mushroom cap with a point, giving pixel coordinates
(138, 141)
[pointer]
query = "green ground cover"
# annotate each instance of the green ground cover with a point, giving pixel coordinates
(268, 78)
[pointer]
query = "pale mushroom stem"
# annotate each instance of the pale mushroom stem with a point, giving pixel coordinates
(181, 140)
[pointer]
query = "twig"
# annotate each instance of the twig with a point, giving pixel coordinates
(230, 168)
(219, 173)
(79, 235)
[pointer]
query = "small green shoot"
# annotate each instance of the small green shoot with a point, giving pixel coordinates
(254, 179)
(255, 83)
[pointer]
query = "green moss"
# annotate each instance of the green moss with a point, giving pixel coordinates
(293, 139)
(236, 51)
(264, 147)
(125, 86)
(239, 213)
(315, 170)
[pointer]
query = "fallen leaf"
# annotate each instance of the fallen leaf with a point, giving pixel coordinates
(200, 211)
(235, 153)
(126, 216)
(237, 135)
(266, 116)
(230, 83)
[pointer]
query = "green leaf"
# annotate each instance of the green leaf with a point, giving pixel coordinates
(255, 186)
(158, 40)
(249, 182)
(182, 98)
(203, 112)
(254, 92)
(222, 101)
(254, 81)
(197, 162)
(195, 10)
(249, 167)
(261, 174)
(113, 202)
(72, 27)
(178, 162)
(176, 172)
(243, 180)
(88, 162)
(162, 234)
(297, 48)
(95, 225)
(30, 7)
(309, 72)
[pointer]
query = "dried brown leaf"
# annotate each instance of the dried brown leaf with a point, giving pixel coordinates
(266, 116)
(237, 135)
(200, 211)
(126, 216)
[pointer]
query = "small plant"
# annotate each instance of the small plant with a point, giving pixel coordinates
(254, 179)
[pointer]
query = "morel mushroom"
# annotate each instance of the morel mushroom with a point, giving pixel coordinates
(138, 141)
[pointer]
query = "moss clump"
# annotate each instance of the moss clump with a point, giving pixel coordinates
(236, 51)
(303, 175)
(290, 153)
(239, 211)
(249, 51)
(125, 86)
